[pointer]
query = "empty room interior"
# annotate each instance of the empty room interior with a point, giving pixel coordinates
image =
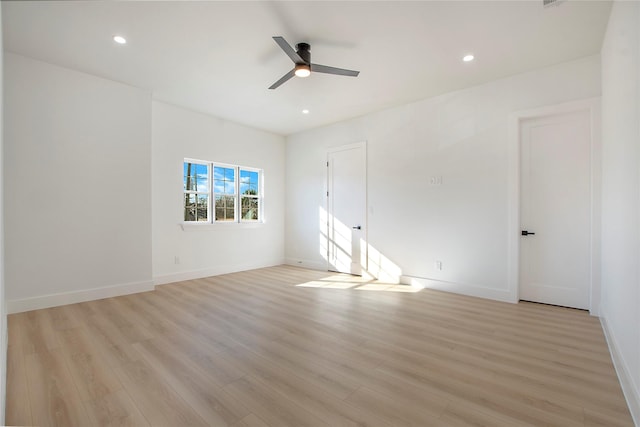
(320, 213)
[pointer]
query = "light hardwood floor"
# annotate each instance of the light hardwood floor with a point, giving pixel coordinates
(284, 346)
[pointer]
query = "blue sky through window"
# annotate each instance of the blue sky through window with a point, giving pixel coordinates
(196, 176)
(224, 180)
(248, 182)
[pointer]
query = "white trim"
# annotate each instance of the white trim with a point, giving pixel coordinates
(458, 288)
(305, 263)
(361, 144)
(210, 226)
(513, 216)
(629, 388)
(208, 272)
(64, 298)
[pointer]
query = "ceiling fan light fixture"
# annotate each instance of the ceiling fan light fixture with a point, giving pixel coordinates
(301, 57)
(302, 70)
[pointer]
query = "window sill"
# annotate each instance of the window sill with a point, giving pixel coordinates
(196, 226)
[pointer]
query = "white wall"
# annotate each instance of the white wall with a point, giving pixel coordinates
(461, 137)
(3, 308)
(77, 186)
(621, 195)
(217, 248)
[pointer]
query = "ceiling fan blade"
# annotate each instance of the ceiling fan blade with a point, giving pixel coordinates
(291, 53)
(283, 79)
(333, 70)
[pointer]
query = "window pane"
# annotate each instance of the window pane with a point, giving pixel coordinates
(219, 202)
(224, 180)
(196, 207)
(189, 207)
(225, 208)
(249, 182)
(202, 208)
(245, 180)
(249, 208)
(218, 173)
(202, 178)
(190, 174)
(195, 177)
(249, 177)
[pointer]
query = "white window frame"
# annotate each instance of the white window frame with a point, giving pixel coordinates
(208, 192)
(235, 192)
(259, 196)
(211, 214)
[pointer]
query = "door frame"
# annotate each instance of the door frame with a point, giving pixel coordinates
(592, 106)
(334, 149)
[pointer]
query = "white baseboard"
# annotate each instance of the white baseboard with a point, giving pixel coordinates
(458, 288)
(64, 298)
(629, 386)
(208, 272)
(304, 263)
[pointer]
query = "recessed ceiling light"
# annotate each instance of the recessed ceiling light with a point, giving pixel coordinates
(119, 39)
(468, 58)
(305, 111)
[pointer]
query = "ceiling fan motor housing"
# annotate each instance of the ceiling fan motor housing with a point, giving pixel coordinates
(304, 51)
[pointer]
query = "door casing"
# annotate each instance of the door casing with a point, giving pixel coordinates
(591, 105)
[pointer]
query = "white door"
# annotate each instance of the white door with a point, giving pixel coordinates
(555, 204)
(346, 208)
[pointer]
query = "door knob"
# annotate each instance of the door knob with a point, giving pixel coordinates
(527, 233)
(357, 227)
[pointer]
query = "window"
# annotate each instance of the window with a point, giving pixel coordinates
(249, 195)
(224, 188)
(233, 193)
(196, 191)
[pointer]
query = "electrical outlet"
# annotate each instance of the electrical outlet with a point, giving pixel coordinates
(176, 260)
(438, 265)
(435, 180)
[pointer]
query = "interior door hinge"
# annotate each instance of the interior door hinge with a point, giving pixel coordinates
(327, 194)
(327, 164)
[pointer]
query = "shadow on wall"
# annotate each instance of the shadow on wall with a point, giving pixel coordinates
(341, 249)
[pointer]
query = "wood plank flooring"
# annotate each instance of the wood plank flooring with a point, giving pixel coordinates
(284, 346)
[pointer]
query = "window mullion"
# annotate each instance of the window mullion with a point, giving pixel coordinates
(210, 191)
(238, 209)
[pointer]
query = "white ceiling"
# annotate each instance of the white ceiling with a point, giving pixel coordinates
(219, 58)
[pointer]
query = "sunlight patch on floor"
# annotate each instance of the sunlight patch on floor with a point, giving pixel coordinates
(358, 283)
(323, 284)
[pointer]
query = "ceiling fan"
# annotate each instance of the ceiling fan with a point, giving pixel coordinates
(302, 58)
